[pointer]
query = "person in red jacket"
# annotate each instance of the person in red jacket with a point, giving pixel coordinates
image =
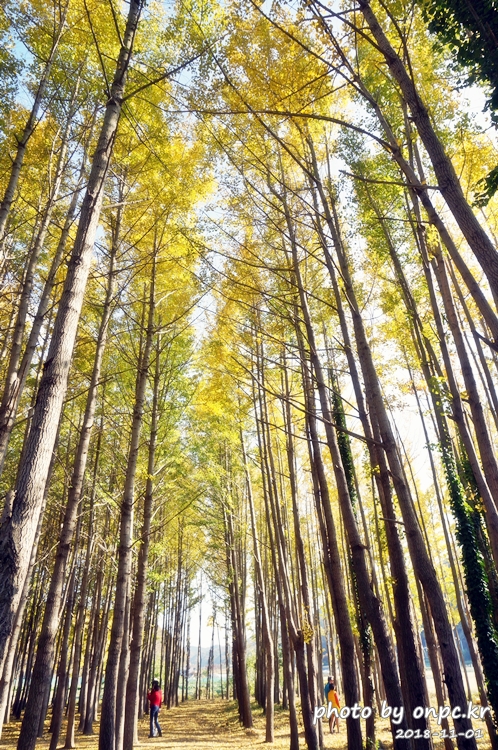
(155, 698)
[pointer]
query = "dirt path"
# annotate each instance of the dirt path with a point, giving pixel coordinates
(198, 725)
(205, 725)
(201, 725)
(214, 724)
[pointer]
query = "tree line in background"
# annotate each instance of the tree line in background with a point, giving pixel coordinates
(249, 341)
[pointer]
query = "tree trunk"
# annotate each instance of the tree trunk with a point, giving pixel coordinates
(267, 635)
(287, 656)
(371, 604)
(29, 128)
(123, 671)
(107, 734)
(45, 652)
(239, 647)
(60, 696)
(448, 182)
(488, 458)
(89, 674)
(332, 562)
(411, 669)
(307, 620)
(7, 674)
(420, 559)
(297, 628)
(139, 598)
(81, 614)
(14, 387)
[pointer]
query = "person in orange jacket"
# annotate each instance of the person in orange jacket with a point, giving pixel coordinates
(332, 698)
(155, 698)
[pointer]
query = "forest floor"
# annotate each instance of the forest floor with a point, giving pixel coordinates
(205, 725)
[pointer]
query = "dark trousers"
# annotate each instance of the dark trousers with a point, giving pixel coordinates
(154, 713)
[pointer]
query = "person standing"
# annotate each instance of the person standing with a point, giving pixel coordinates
(155, 698)
(332, 698)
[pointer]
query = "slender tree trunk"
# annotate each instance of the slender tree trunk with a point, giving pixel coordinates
(123, 671)
(430, 639)
(486, 378)
(7, 671)
(107, 734)
(81, 614)
(267, 635)
(60, 696)
(332, 561)
(139, 598)
(87, 693)
(287, 655)
(488, 458)
(297, 628)
(306, 598)
(239, 646)
(448, 182)
(22, 141)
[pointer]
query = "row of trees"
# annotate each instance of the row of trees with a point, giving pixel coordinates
(237, 250)
(78, 603)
